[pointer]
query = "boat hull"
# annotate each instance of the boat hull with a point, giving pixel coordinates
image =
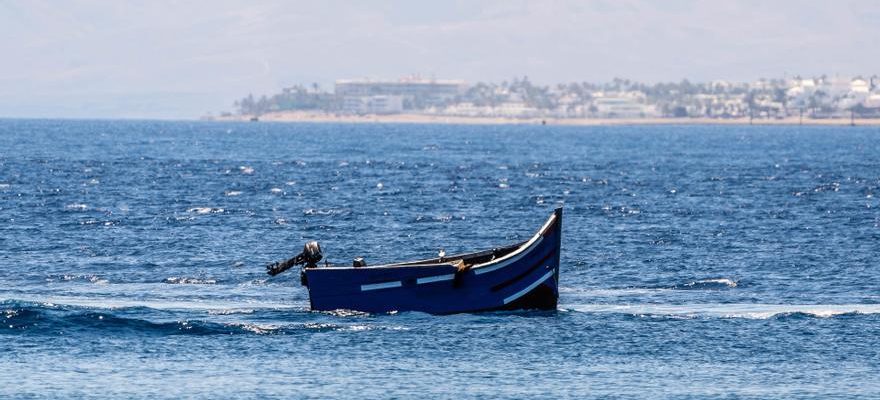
(525, 278)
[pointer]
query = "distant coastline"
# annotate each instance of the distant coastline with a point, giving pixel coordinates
(319, 117)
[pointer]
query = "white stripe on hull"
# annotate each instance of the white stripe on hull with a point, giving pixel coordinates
(437, 278)
(384, 285)
(529, 288)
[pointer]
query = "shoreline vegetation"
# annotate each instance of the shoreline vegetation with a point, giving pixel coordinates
(414, 118)
(799, 100)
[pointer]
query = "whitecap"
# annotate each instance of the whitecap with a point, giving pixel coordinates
(231, 311)
(232, 193)
(246, 170)
(260, 329)
(357, 328)
(709, 284)
(329, 211)
(346, 313)
(76, 207)
(613, 292)
(161, 304)
(98, 280)
(90, 278)
(748, 311)
(189, 281)
(205, 210)
(275, 190)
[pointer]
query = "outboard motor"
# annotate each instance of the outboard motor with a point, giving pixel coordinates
(310, 256)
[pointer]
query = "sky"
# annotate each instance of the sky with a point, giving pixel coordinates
(183, 59)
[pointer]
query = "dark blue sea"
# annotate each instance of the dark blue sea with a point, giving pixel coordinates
(731, 262)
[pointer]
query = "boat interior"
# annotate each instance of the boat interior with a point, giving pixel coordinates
(464, 260)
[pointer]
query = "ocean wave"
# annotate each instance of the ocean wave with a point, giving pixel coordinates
(231, 311)
(613, 292)
(748, 311)
(176, 280)
(187, 305)
(205, 210)
(715, 283)
(702, 284)
(46, 322)
(51, 319)
(78, 278)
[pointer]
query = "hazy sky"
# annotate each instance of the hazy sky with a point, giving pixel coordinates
(181, 59)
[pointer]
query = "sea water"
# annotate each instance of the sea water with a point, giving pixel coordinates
(697, 261)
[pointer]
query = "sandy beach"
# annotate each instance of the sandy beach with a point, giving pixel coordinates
(304, 116)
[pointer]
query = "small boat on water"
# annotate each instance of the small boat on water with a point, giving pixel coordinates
(519, 276)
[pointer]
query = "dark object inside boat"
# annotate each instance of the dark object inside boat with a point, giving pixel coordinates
(310, 256)
(359, 262)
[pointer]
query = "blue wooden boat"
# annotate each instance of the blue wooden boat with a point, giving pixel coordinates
(520, 276)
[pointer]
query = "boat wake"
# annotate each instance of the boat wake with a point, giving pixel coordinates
(712, 284)
(748, 311)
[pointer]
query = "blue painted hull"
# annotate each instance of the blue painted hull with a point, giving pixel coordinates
(522, 276)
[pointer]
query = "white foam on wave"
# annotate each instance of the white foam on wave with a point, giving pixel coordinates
(260, 329)
(233, 193)
(231, 311)
(724, 281)
(189, 281)
(205, 210)
(159, 304)
(76, 207)
(711, 282)
(247, 170)
(613, 292)
(90, 278)
(741, 310)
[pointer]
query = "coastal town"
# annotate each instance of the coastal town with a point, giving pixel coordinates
(810, 99)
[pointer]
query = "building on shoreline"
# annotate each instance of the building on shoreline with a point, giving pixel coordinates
(411, 92)
(818, 97)
(630, 104)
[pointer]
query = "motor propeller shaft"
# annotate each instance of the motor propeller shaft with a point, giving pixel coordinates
(310, 256)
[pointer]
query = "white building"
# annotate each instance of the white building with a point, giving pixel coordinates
(429, 90)
(373, 104)
(622, 105)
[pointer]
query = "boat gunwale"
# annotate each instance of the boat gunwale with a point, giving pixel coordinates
(455, 259)
(522, 250)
